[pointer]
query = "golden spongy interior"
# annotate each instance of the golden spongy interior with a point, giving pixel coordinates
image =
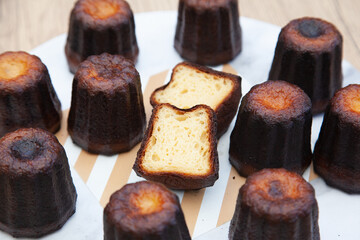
(179, 143)
(190, 87)
(12, 66)
(101, 9)
(147, 201)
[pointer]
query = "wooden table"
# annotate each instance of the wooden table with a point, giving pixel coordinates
(25, 24)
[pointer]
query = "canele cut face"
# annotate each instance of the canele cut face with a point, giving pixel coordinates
(190, 87)
(179, 143)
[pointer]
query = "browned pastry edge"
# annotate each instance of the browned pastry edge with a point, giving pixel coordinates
(245, 169)
(123, 219)
(221, 58)
(74, 59)
(31, 233)
(345, 179)
(226, 111)
(177, 180)
(325, 42)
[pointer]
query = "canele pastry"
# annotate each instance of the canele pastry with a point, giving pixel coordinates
(36, 188)
(144, 210)
(309, 53)
(98, 26)
(208, 32)
(179, 148)
(337, 151)
(192, 84)
(275, 204)
(27, 96)
(272, 129)
(107, 111)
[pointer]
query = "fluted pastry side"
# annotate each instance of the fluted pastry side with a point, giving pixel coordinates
(336, 154)
(208, 32)
(38, 195)
(272, 129)
(89, 34)
(27, 96)
(107, 113)
(309, 54)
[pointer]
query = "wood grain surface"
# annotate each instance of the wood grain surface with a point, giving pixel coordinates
(24, 24)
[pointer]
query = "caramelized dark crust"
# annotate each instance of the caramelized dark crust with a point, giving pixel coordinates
(37, 193)
(144, 210)
(177, 180)
(309, 54)
(336, 154)
(272, 129)
(107, 113)
(226, 110)
(208, 32)
(27, 97)
(98, 26)
(275, 204)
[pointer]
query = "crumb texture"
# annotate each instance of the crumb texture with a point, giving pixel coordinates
(190, 87)
(179, 143)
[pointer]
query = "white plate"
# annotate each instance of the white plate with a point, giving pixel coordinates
(339, 212)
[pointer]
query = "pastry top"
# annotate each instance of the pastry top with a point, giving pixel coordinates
(276, 101)
(106, 73)
(28, 151)
(346, 103)
(310, 34)
(102, 13)
(206, 4)
(19, 70)
(179, 147)
(278, 194)
(142, 207)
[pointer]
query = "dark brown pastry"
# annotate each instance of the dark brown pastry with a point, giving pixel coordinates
(275, 204)
(36, 188)
(107, 111)
(179, 148)
(144, 210)
(337, 151)
(272, 129)
(208, 32)
(27, 96)
(98, 26)
(309, 54)
(192, 84)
